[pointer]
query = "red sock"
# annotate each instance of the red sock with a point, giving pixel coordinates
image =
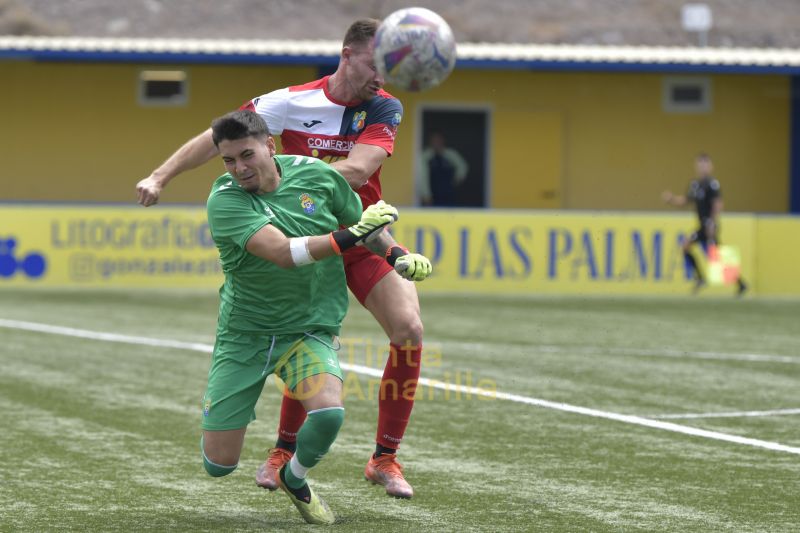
(292, 417)
(396, 398)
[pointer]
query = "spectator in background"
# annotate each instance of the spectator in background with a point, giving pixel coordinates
(442, 170)
(705, 193)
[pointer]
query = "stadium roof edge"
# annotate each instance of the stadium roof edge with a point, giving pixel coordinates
(470, 55)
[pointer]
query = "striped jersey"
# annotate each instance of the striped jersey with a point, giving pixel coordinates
(311, 122)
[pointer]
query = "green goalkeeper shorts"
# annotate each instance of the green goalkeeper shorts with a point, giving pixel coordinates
(241, 363)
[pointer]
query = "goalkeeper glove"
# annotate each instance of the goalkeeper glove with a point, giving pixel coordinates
(373, 220)
(413, 267)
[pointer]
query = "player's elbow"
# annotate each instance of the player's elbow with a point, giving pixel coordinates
(358, 179)
(284, 259)
(357, 173)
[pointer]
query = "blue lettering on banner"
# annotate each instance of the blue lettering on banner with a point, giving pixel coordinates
(559, 245)
(609, 235)
(519, 249)
(602, 255)
(86, 267)
(100, 233)
(678, 261)
(648, 260)
(641, 259)
(428, 242)
(490, 254)
(585, 257)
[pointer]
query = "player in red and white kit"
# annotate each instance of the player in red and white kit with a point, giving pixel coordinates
(350, 121)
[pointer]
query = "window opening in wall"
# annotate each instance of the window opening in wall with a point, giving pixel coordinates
(163, 87)
(687, 95)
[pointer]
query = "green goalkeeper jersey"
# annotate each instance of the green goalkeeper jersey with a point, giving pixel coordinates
(258, 296)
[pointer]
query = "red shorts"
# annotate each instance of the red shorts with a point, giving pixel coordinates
(364, 270)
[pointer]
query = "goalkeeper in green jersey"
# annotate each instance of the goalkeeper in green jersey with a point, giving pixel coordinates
(275, 220)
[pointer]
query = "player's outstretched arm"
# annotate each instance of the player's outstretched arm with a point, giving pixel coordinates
(677, 200)
(271, 244)
(195, 152)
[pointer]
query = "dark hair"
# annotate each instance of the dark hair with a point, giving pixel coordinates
(238, 125)
(361, 32)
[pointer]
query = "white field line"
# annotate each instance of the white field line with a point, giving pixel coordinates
(364, 370)
(734, 414)
(679, 354)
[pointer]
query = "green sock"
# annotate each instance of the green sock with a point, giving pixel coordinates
(313, 441)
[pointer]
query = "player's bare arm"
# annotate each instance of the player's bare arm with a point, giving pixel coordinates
(273, 245)
(360, 164)
(195, 152)
(678, 200)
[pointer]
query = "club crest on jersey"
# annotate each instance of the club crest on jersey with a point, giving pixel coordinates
(359, 119)
(307, 203)
(396, 119)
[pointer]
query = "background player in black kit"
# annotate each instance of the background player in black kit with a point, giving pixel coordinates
(704, 191)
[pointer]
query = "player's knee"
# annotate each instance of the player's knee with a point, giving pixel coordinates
(408, 331)
(216, 467)
(216, 470)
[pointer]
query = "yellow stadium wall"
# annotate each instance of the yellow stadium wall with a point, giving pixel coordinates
(506, 251)
(619, 150)
(778, 255)
(78, 132)
(75, 132)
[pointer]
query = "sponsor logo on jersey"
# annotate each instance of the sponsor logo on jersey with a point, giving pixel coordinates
(310, 124)
(390, 132)
(359, 119)
(308, 204)
(336, 145)
(396, 119)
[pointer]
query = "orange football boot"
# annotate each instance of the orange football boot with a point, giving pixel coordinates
(386, 471)
(267, 474)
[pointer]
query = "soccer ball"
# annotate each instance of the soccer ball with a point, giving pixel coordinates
(414, 49)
